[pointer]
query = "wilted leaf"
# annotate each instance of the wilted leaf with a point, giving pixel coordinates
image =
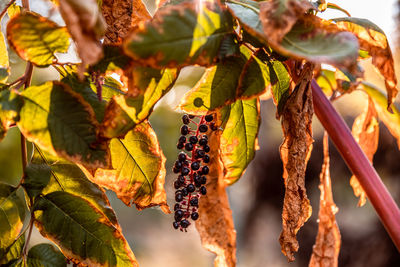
(45, 255)
(238, 141)
(327, 244)
(72, 134)
(12, 253)
(37, 176)
(10, 106)
(86, 25)
(4, 64)
(373, 40)
(36, 39)
(279, 16)
(138, 172)
(12, 215)
(124, 112)
(67, 177)
(81, 231)
(202, 27)
(215, 223)
(295, 151)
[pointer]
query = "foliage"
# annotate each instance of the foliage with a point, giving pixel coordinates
(91, 132)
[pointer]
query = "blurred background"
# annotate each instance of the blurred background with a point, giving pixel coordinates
(258, 219)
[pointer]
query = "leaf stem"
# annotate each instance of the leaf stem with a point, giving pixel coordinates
(358, 163)
(3, 12)
(28, 237)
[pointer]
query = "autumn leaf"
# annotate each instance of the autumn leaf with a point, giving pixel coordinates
(373, 40)
(327, 244)
(295, 151)
(215, 223)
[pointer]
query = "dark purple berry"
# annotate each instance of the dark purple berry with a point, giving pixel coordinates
(205, 170)
(178, 215)
(176, 170)
(184, 192)
(213, 126)
(203, 180)
(197, 183)
(185, 171)
(178, 197)
(177, 184)
(178, 164)
(180, 145)
(206, 159)
(194, 202)
(192, 116)
(203, 190)
(182, 139)
(181, 179)
(188, 146)
(185, 163)
(200, 153)
(182, 156)
(191, 188)
(206, 148)
(185, 223)
(197, 179)
(194, 216)
(195, 166)
(209, 118)
(205, 137)
(203, 142)
(175, 225)
(177, 206)
(185, 119)
(193, 139)
(185, 130)
(203, 128)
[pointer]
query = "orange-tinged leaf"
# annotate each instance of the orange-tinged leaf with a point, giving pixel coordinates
(138, 172)
(215, 223)
(366, 132)
(373, 40)
(327, 244)
(295, 151)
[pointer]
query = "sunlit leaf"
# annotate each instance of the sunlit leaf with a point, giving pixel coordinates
(295, 151)
(13, 10)
(4, 64)
(81, 231)
(123, 113)
(327, 244)
(280, 84)
(373, 40)
(239, 138)
(10, 105)
(67, 177)
(11, 254)
(202, 27)
(37, 176)
(71, 134)
(36, 38)
(45, 255)
(12, 215)
(138, 170)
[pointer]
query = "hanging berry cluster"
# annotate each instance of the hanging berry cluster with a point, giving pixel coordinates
(190, 184)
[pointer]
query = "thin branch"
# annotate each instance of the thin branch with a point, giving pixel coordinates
(3, 12)
(29, 236)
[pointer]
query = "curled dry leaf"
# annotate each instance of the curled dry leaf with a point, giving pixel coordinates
(295, 151)
(366, 132)
(279, 16)
(121, 16)
(327, 244)
(86, 26)
(215, 223)
(373, 40)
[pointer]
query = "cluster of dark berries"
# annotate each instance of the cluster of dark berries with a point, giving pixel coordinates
(190, 166)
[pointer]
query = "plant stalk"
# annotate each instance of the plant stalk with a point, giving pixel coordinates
(340, 134)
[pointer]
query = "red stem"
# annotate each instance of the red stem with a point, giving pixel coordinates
(358, 163)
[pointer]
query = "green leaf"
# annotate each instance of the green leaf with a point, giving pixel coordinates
(124, 112)
(138, 169)
(247, 12)
(12, 215)
(202, 27)
(36, 38)
(280, 81)
(45, 255)
(4, 64)
(68, 177)
(10, 255)
(114, 59)
(61, 122)
(239, 137)
(10, 106)
(37, 176)
(81, 231)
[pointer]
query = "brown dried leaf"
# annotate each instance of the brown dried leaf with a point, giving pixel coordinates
(86, 26)
(121, 16)
(295, 151)
(366, 132)
(327, 244)
(215, 223)
(279, 16)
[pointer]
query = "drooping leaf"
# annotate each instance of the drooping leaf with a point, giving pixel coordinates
(366, 132)
(373, 40)
(4, 64)
(86, 25)
(81, 231)
(68, 177)
(61, 122)
(37, 176)
(138, 170)
(12, 214)
(45, 255)
(295, 151)
(327, 243)
(124, 112)
(280, 84)
(11, 254)
(202, 27)
(215, 223)
(391, 120)
(238, 141)
(36, 39)
(10, 105)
